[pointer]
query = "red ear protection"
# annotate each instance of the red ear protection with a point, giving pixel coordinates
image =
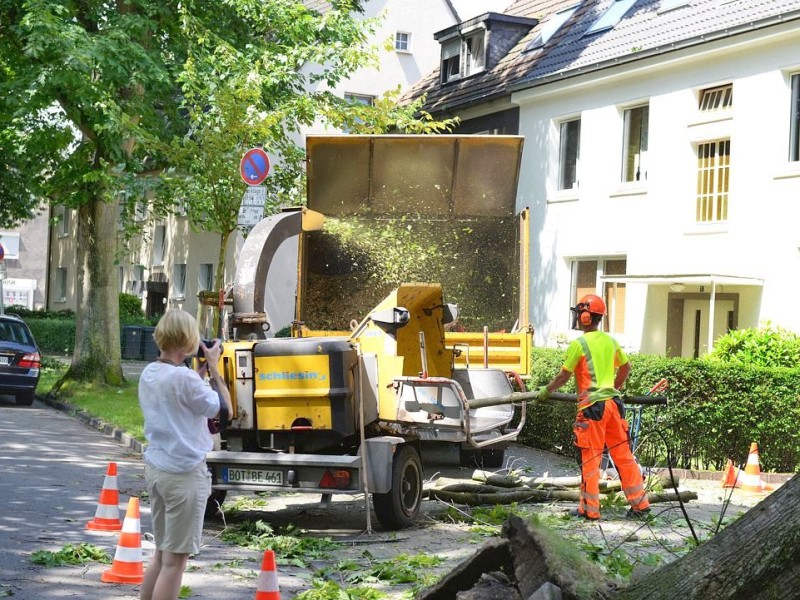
(586, 317)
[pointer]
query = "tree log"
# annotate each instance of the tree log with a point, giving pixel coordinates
(511, 481)
(477, 495)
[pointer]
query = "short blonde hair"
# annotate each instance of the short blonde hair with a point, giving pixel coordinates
(177, 330)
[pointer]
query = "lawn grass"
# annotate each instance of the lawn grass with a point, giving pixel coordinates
(118, 406)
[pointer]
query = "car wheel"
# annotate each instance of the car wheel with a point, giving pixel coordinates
(25, 398)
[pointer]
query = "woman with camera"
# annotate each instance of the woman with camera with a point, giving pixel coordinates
(177, 404)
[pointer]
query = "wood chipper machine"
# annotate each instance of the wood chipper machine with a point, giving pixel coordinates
(353, 410)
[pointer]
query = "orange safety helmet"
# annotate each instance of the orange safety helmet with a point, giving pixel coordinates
(588, 309)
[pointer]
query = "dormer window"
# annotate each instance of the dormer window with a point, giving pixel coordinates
(476, 45)
(464, 56)
(451, 60)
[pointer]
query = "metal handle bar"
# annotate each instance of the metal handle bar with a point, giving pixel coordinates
(560, 397)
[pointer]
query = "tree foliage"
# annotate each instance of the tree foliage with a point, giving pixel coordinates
(106, 104)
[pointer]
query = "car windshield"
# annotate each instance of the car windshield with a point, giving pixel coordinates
(15, 332)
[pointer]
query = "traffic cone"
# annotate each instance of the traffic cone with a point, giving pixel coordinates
(268, 579)
(127, 566)
(732, 476)
(751, 478)
(106, 518)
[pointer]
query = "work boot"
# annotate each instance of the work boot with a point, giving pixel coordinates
(639, 515)
(574, 512)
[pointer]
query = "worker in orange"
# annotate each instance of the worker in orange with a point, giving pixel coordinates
(601, 368)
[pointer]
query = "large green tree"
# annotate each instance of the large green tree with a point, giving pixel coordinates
(99, 98)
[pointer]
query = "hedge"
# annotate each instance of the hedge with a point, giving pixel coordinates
(716, 410)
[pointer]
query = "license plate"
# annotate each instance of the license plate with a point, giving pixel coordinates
(252, 476)
(3, 360)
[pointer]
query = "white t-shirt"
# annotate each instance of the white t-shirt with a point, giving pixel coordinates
(176, 403)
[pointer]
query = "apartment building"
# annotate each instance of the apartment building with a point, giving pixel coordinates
(661, 162)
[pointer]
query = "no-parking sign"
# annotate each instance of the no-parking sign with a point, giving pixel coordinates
(254, 167)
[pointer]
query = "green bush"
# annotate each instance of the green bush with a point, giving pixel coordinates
(54, 336)
(28, 314)
(716, 410)
(763, 347)
(130, 310)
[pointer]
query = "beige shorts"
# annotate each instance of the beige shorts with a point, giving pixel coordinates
(177, 506)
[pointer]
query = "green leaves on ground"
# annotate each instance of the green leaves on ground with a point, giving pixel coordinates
(71, 554)
(330, 590)
(292, 547)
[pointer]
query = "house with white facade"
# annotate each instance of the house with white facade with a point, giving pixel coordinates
(171, 265)
(661, 162)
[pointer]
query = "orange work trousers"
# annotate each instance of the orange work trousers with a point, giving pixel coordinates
(591, 437)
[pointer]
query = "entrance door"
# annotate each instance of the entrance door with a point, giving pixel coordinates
(695, 325)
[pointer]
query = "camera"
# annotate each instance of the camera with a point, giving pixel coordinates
(208, 343)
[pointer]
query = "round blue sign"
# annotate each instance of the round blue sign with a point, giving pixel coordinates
(254, 166)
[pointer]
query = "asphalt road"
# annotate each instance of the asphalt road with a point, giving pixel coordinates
(52, 468)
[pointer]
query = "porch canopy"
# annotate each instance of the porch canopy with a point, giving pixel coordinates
(678, 282)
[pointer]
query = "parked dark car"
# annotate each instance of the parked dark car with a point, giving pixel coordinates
(19, 359)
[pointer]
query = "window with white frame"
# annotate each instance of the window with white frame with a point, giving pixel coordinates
(205, 277)
(159, 244)
(550, 27)
(61, 284)
(569, 154)
(612, 16)
(179, 281)
(121, 279)
(451, 60)
(587, 279)
(64, 221)
(402, 41)
(474, 49)
(464, 56)
(713, 174)
(794, 124)
(716, 98)
(136, 282)
(634, 160)
(365, 99)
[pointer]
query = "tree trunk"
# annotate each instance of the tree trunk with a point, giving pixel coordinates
(220, 279)
(754, 558)
(97, 355)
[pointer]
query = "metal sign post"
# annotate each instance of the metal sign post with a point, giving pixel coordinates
(2, 277)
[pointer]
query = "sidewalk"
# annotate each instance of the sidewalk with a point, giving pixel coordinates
(131, 369)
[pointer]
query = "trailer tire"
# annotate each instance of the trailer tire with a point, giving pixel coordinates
(399, 507)
(214, 503)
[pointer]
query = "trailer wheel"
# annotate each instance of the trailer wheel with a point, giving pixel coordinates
(399, 507)
(214, 503)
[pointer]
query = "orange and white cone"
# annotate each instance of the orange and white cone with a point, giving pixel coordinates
(106, 518)
(268, 579)
(751, 477)
(732, 477)
(127, 566)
